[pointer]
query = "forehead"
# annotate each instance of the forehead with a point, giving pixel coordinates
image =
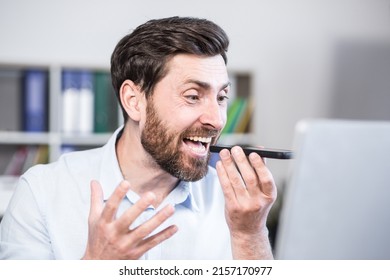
(185, 67)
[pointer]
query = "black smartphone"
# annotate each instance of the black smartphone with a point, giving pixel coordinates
(263, 152)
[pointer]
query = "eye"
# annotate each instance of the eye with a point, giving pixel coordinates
(222, 98)
(192, 96)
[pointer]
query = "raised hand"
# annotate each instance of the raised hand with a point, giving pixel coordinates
(250, 192)
(111, 238)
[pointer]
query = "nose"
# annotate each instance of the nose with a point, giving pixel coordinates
(213, 115)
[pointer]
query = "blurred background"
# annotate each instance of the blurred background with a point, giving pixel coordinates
(298, 59)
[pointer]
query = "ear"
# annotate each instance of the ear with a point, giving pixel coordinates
(131, 99)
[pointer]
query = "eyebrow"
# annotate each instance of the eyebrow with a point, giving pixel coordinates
(206, 85)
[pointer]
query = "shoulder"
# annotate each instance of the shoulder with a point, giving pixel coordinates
(67, 174)
(77, 164)
(70, 164)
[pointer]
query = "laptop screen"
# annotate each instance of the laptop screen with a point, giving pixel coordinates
(337, 201)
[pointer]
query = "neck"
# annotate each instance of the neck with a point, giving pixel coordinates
(140, 169)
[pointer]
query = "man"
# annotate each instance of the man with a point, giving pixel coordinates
(149, 192)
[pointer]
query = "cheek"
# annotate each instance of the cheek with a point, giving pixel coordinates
(181, 117)
(224, 115)
(179, 122)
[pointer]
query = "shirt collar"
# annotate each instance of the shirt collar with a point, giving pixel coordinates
(180, 195)
(183, 195)
(110, 172)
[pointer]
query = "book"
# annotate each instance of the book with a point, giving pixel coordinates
(35, 155)
(7, 152)
(232, 109)
(70, 101)
(242, 110)
(89, 103)
(67, 149)
(243, 126)
(106, 104)
(42, 155)
(16, 163)
(233, 114)
(35, 100)
(86, 102)
(30, 157)
(10, 100)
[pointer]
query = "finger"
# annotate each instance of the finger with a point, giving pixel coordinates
(113, 202)
(247, 172)
(131, 214)
(227, 189)
(96, 207)
(232, 172)
(267, 184)
(149, 226)
(263, 158)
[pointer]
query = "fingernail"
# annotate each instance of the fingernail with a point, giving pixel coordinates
(253, 156)
(224, 154)
(236, 150)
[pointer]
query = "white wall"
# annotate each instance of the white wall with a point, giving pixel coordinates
(287, 44)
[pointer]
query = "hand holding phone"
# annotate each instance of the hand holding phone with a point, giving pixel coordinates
(263, 152)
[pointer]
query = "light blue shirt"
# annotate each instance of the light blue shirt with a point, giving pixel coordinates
(47, 218)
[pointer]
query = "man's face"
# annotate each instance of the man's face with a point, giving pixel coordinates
(185, 114)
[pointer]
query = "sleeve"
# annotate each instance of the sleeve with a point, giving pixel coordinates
(23, 234)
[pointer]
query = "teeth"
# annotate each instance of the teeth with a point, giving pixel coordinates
(200, 139)
(199, 149)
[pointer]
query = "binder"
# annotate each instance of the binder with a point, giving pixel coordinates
(70, 103)
(106, 105)
(35, 97)
(10, 100)
(86, 102)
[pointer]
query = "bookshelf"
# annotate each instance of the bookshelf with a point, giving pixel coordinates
(13, 131)
(51, 138)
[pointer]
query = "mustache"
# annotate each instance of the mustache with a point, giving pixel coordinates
(201, 132)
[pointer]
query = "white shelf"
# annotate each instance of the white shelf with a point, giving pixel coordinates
(53, 139)
(96, 139)
(28, 138)
(49, 138)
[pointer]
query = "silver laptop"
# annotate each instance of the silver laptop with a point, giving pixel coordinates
(336, 204)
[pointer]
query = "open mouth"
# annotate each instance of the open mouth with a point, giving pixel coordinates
(198, 145)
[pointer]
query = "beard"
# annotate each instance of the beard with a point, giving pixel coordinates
(164, 147)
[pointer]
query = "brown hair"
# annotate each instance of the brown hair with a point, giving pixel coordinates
(141, 56)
